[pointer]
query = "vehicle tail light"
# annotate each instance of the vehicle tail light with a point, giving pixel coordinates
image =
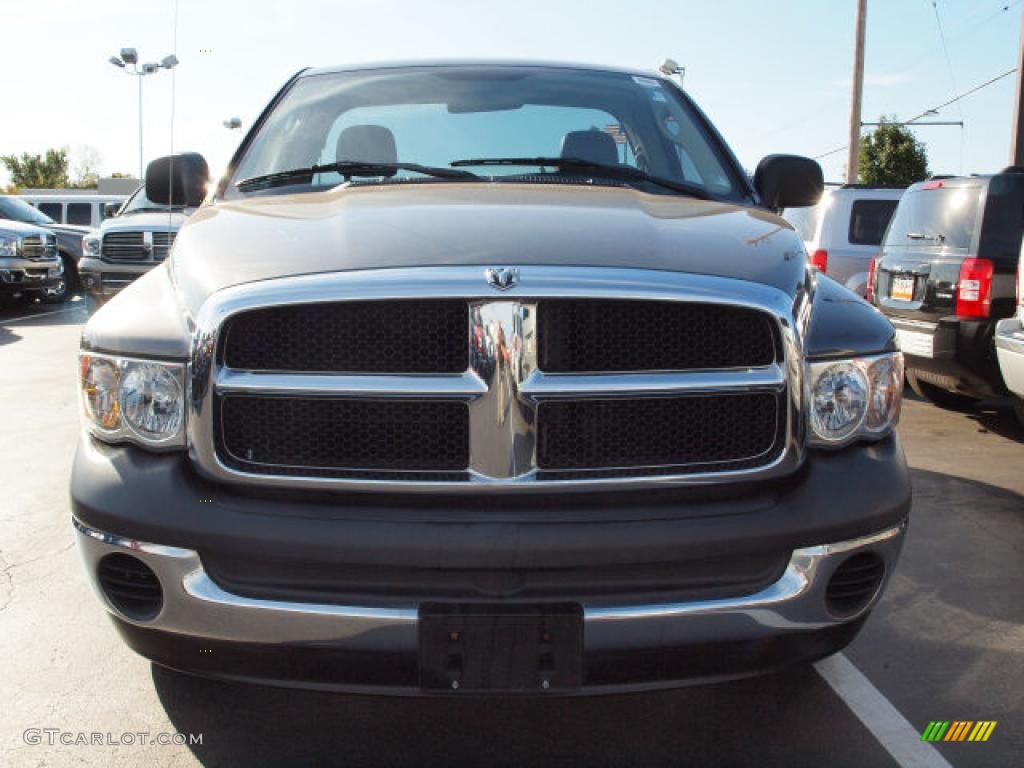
(869, 292)
(819, 260)
(974, 291)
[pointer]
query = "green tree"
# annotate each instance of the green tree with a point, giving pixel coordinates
(892, 155)
(38, 171)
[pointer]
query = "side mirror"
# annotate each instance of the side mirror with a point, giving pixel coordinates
(788, 181)
(178, 180)
(110, 210)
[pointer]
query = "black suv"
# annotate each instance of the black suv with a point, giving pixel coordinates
(945, 276)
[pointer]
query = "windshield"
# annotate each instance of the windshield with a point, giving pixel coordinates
(139, 203)
(18, 210)
(435, 116)
(935, 215)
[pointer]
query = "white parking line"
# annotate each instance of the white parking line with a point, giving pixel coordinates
(70, 308)
(887, 725)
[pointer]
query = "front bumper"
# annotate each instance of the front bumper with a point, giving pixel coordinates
(155, 509)
(102, 279)
(784, 623)
(1010, 350)
(20, 275)
(953, 354)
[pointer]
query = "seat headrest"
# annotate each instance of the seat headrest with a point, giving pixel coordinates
(593, 146)
(366, 143)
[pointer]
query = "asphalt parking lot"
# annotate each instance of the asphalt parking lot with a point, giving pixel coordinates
(946, 643)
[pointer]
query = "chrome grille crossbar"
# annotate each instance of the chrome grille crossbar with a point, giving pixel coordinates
(466, 386)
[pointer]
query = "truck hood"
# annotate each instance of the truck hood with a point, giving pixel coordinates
(20, 228)
(69, 229)
(156, 221)
(503, 224)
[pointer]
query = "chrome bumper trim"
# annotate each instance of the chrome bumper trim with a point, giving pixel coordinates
(196, 606)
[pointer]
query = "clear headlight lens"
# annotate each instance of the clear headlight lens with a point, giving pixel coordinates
(8, 247)
(851, 399)
(151, 400)
(91, 245)
(139, 401)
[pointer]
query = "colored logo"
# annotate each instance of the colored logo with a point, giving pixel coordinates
(958, 730)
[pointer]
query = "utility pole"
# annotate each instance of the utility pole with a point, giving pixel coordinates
(853, 148)
(1017, 133)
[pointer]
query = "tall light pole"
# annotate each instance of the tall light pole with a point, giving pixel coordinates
(130, 57)
(853, 148)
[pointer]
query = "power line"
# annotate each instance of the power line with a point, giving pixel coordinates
(960, 31)
(952, 77)
(977, 88)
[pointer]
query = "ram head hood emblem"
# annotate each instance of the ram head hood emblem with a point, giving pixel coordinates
(502, 278)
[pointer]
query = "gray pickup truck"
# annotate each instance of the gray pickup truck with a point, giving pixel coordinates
(68, 238)
(127, 245)
(487, 377)
(30, 265)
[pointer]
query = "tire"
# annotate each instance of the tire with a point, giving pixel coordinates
(1018, 409)
(950, 401)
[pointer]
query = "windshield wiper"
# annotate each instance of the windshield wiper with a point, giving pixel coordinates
(348, 169)
(597, 169)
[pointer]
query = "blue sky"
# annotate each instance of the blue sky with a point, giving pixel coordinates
(773, 76)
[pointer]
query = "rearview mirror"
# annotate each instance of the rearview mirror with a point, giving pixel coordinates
(788, 181)
(110, 210)
(178, 180)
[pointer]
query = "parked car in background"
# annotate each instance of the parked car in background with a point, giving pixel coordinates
(446, 391)
(946, 275)
(87, 210)
(1010, 349)
(128, 245)
(30, 265)
(843, 231)
(69, 237)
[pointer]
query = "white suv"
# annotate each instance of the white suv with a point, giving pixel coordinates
(843, 231)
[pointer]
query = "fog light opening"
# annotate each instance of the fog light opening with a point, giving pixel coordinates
(131, 586)
(854, 585)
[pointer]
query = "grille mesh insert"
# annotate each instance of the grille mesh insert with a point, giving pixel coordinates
(716, 429)
(352, 337)
(344, 434)
(589, 335)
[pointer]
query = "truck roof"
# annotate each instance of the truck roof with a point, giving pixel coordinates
(471, 63)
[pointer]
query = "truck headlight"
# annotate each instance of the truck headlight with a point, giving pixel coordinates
(853, 399)
(91, 246)
(9, 247)
(130, 400)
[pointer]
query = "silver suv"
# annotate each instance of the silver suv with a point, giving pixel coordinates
(843, 232)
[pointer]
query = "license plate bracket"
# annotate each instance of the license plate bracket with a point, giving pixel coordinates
(510, 648)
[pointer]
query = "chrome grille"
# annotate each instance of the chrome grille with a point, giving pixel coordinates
(125, 246)
(265, 413)
(162, 242)
(39, 247)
